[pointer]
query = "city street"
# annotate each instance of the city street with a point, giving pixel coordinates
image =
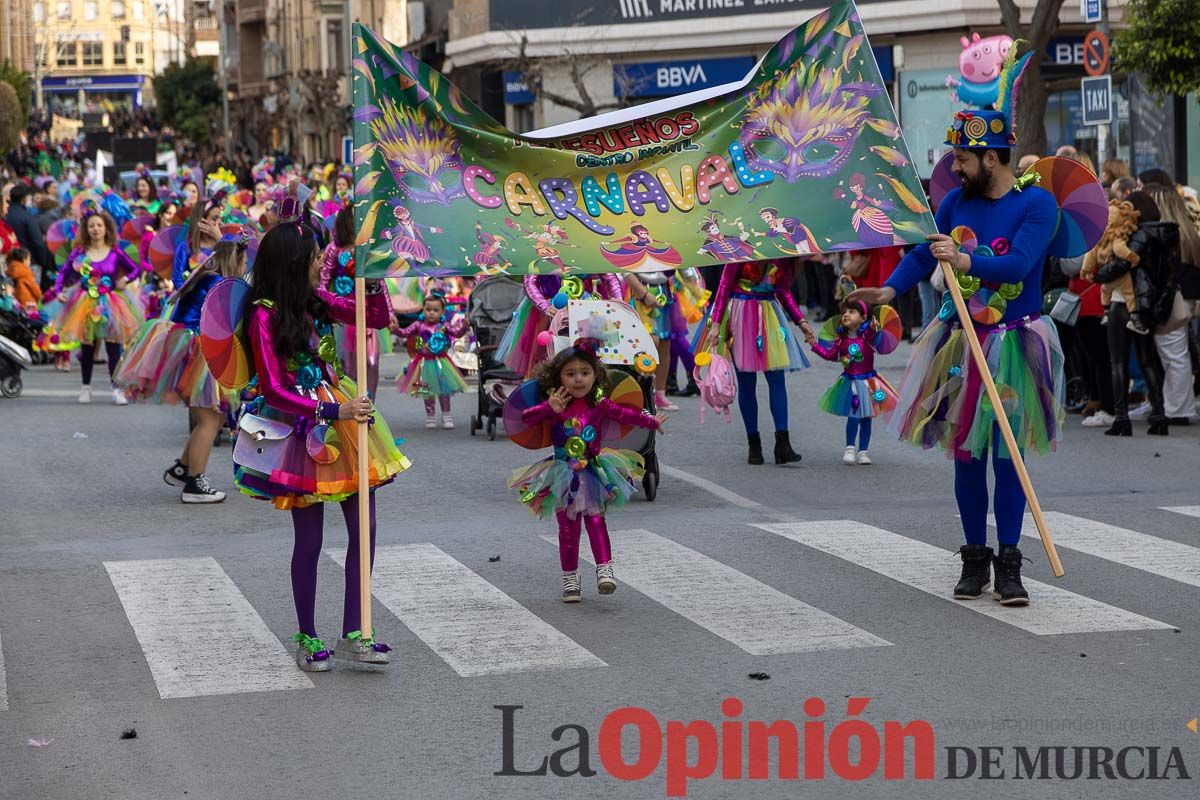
(121, 609)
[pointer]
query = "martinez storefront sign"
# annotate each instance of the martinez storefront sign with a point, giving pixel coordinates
(520, 14)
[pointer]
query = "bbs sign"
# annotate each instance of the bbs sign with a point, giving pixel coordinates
(519, 14)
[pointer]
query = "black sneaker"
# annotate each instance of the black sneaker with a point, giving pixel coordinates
(976, 571)
(176, 475)
(198, 490)
(1008, 589)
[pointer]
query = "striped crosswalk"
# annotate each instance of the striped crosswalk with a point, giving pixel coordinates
(184, 611)
(932, 569)
(475, 628)
(734, 606)
(198, 632)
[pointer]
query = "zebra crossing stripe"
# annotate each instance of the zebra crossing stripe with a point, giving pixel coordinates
(1163, 557)
(932, 570)
(473, 626)
(740, 609)
(1189, 511)
(198, 632)
(3, 682)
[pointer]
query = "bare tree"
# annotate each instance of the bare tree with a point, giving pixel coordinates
(1031, 102)
(322, 95)
(577, 67)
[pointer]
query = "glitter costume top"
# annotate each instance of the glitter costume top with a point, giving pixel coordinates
(79, 267)
(541, 289)
(855, 353)
(433, 339)
(756, 280)
(578, 430)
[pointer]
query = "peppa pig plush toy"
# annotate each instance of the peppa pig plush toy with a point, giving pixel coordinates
(979, 69)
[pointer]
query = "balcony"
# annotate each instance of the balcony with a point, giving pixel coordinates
(249, 11)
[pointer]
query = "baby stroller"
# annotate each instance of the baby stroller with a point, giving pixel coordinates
(16, 344)
(490, 308)
(635, 355)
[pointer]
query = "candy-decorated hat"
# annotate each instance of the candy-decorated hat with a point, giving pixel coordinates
(992, 129)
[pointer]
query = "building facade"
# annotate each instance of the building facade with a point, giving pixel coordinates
(628, 51)
(92, 54)
(16, 34)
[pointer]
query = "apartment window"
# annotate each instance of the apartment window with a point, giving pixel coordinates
(139, 52)
(119, 58)
(118, 9)
(333, 44)
(91, 10)
(93, 54)
(39, 12)
(64, 9)
(139, 9)
(66, 54)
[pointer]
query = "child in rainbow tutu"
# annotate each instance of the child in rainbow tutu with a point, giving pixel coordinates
(431, 375)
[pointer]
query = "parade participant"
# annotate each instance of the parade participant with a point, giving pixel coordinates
(165, 365)
(942, 397)
(748, 318)
(337, 276)
(203, 233)
(431, 375)
(145, 197)
(519, 348)
(100, 306)
(262, 202)
(289, 328)
(656, 298)
(860, 393)
(582, 479)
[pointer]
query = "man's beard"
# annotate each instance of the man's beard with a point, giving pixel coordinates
(977, 186)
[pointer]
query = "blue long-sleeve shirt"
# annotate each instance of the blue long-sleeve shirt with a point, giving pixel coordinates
(187, 309)
(1017, 228)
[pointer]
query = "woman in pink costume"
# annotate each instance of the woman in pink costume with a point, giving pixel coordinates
(860, 393)
(337, 277)
(519, 348)
(431, 375)
(748, 316)
(100, 306)
(581, 479)
(307, 412)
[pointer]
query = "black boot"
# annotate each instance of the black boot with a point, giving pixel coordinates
(784, 454)
(672, 385)
(692, 390)
(1159, 427)
(1008, 589)
(976, 571)
(1121, 427)
(755, 442)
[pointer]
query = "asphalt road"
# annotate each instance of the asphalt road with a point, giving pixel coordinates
(122, 609)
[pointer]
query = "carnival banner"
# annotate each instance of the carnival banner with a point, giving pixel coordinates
(803, 156)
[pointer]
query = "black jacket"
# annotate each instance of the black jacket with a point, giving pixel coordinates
(1156, 277)
(24, 223)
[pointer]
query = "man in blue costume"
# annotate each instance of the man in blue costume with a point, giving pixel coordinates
(994, 231)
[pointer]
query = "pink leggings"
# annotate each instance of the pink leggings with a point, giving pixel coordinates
(443, 399)
(568, 539)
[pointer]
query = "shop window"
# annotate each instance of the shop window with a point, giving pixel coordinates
(139, 52)
(39, 12)
(66, 55)
(93, 54)
(118, 9)
(119, 56)
(64, 9)
(91, 10)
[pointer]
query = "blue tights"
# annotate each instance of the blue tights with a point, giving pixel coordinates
(860, 428)
(747, 399)
(971, 491)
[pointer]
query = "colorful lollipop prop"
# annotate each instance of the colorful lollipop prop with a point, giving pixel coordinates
(625, 392)
(1082, 204)
(222, 337)
(889, 331)
(60, 237)
(942, 180)
(531, 436)
(828, 335)
(162, 250)
(133, 230)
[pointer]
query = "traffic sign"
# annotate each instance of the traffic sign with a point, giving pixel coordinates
(1091, 10)
(1097, 100)
(1095, 53)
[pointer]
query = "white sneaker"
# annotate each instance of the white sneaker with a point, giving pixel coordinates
(119, 397)
(197, 489)
(447, 422)
(849, 454)
(864, 459)
(85, 394)
(606, 582)
(570, 592)
(431, 421)
(1140, 412)
(1100, 419)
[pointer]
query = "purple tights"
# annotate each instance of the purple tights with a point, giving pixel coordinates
(87, 360)
(568, 539)
(444, 400)
(309, 523)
